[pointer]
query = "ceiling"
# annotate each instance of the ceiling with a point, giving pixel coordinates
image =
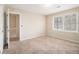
(43, 9)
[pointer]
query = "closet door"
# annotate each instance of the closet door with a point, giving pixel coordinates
(12, 26)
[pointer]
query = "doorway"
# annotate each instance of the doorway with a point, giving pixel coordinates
(14, 27)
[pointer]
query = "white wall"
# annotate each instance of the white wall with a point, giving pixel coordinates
(1, 27)
(70, 36)
(33, 25)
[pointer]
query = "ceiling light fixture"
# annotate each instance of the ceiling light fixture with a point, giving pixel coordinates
(51, 5)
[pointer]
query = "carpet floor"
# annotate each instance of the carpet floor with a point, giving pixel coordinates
(42, 45)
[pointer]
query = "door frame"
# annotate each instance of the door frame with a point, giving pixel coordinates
(8, 24)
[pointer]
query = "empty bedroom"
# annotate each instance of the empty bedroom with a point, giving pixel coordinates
(40, 29)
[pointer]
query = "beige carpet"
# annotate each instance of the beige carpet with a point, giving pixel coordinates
(42, 45)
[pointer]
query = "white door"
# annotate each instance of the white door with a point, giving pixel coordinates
(8, 29)
(1, 28)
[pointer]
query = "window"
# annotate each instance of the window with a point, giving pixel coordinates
(70, 22)
(58, 23)
(66, 22)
